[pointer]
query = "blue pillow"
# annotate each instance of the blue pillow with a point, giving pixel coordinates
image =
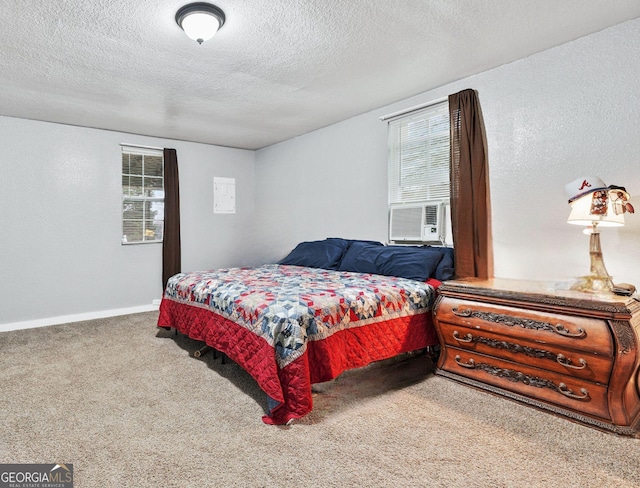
(414, 263)
(361, 257)
(325, 254)
(373, 243)
(445, 270)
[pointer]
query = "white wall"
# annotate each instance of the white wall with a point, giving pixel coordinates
(561, 114)
(328, 183)
(60, 210)
(564, 113)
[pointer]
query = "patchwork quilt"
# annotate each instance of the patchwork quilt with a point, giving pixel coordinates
(291, 326)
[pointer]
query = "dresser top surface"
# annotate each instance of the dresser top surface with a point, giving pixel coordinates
(543, 292)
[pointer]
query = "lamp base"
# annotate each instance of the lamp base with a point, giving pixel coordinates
(594, 284)
(599, 281)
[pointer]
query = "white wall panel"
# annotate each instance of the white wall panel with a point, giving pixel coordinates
(60, 211)
(563, 113)
(567, 112)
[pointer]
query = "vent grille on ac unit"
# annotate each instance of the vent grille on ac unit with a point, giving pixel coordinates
(406, 223)
(431, 214)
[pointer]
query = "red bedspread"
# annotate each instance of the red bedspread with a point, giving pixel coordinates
(290, 327)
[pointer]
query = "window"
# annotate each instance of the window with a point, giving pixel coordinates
(419, 156)
(142, 195)
(419, 186)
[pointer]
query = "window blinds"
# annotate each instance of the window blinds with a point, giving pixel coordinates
(419, 156)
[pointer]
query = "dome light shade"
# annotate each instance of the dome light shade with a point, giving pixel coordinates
(200, 21)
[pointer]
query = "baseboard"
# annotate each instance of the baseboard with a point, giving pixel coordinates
(65, 319)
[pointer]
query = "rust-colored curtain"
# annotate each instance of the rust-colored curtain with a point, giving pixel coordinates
(171, 260)
(470, 204)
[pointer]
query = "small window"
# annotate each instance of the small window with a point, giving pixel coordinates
(142, 195)
(419, 156)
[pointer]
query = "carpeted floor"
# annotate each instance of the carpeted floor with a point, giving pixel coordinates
(129, 408)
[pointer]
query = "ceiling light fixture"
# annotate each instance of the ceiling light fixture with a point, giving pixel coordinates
(200, 21)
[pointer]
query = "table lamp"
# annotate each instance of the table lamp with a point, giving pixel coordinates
(595, 205)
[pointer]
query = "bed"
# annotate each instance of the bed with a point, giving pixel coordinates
(329, 306)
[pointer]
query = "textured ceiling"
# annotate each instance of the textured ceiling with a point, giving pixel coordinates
(276, 69)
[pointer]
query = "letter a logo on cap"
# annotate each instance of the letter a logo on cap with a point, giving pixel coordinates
(586, 184)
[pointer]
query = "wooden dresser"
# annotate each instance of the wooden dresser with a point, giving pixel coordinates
(567, 352)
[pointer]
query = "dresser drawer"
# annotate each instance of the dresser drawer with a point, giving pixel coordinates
(581, 364)
(565, 331)
(546, 386)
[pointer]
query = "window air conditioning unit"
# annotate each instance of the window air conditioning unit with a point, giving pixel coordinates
(419, 222)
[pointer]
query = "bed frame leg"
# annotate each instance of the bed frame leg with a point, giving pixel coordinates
(223, 356)
(203, 350)
(198, 353)
(433, 353)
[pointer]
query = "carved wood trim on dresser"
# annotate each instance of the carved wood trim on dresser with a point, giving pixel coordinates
(570, 353)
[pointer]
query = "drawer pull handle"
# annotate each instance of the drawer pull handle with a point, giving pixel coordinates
(511, 321)
(467, 338)
(562, 359)
(471, 364)
(462, 313)
(560, 329)
(562, 388)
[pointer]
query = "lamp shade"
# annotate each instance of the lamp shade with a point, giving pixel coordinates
(200, 21)
(585, 212)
